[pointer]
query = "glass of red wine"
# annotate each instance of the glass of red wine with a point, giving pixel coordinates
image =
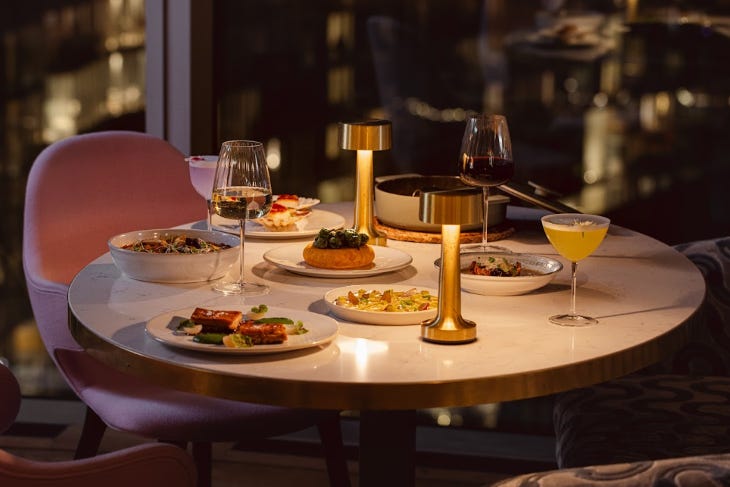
(486, 159)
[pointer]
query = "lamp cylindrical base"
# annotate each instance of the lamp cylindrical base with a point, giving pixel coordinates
(449, 326)
(364, 216)
(447, 331)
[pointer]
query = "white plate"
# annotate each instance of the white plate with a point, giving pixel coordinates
(544, 269)
(306, 227)
(378, 317)
(303, 202)
(322, 330)
(290, 258)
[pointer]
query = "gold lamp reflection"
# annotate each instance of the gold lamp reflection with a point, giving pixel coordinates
(365, 137)
(362, 350)
(450, 209)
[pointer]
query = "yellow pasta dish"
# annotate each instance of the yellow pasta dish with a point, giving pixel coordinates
(388, 300)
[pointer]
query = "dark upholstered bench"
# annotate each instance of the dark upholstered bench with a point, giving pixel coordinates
(677, 408)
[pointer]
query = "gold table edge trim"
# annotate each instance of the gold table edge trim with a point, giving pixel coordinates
(397, 396)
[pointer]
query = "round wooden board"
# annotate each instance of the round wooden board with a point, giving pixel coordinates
(497, 232)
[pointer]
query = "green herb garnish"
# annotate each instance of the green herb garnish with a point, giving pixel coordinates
(338, 239)
(209, 338)
(261, 308)
(285, 321)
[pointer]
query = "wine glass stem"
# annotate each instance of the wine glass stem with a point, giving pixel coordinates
(573, 269)
(485, 197)
(242, 235)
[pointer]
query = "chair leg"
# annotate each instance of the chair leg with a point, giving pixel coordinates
(91, 434)
(202, 454)
(330, 434)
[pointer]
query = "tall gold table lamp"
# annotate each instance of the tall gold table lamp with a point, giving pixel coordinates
(365, 137)
(450, 209)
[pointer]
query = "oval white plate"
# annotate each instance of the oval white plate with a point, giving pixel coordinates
(290, 258)
(544, 268)
(306, 227)
(378, 317)
(322, 330)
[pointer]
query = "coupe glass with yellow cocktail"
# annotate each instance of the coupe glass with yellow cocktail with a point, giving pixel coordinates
(575, 236)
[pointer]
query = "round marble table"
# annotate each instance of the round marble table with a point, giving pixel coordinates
(641, 290)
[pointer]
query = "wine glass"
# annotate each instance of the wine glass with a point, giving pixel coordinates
(486, 159)
(241, 191)
(202, 173)
(575, 236)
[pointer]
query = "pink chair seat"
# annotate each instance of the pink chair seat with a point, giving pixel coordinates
(128, 404)
(147, 465)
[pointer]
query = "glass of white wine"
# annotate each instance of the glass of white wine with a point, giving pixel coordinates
(242, 191)
(575, 236)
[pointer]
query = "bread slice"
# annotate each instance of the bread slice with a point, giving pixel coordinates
(343, 258)
(217, 321)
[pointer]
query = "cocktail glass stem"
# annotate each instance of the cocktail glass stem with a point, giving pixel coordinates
(208, 214)
(572, 318)
(573, 285)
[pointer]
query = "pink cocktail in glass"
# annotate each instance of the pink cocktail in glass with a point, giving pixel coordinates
(202, 173)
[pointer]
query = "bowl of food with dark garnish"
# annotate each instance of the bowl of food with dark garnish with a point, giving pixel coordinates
(174, 255)
(505, 273)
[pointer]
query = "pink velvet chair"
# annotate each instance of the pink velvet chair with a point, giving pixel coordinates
(146, 465)
(81, 191)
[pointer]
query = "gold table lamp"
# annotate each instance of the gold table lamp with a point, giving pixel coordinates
(450, 209)
(365, 137)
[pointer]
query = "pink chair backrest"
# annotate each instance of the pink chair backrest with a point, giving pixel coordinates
(83, 190)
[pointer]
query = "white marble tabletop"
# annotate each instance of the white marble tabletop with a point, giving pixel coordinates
(640, 289)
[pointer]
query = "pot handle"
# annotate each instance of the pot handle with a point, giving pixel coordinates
(526, 193)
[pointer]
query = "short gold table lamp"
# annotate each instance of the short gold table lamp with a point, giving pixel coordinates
(365, 137)
(450, 208)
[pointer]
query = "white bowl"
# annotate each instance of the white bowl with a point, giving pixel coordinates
(174, 268)
(541, 270)
(378, 317)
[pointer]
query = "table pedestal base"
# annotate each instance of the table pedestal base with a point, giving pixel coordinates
(387, 448)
